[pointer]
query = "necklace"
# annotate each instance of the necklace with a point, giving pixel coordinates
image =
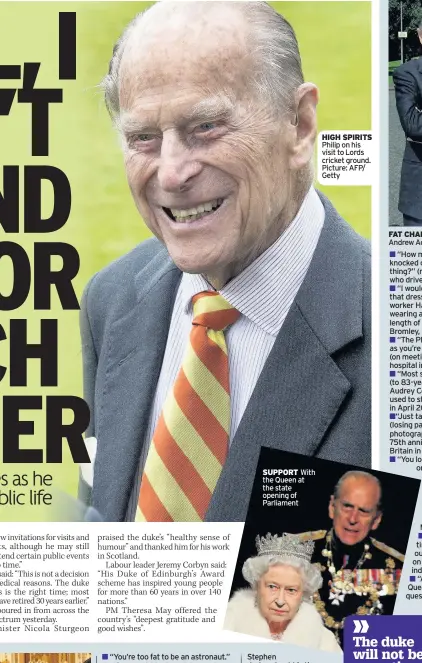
(370, 584)
(276, 636)
(341, 584)
(342, 580)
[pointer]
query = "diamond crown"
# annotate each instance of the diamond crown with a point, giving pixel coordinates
(287, 545)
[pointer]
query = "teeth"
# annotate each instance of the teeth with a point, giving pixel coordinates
(188, 215)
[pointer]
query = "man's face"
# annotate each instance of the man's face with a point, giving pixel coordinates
(354, 512)
(279, 593)
(206, 160)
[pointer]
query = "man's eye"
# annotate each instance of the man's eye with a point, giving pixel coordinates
(143, 138)
(206, 126)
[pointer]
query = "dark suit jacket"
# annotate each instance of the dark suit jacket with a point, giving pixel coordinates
(408, 85)
(312, 397)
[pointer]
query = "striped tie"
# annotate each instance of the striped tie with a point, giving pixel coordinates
(190, 442)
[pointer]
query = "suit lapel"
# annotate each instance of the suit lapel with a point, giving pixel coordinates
(301, 388)
(296, 398)
(135, 350)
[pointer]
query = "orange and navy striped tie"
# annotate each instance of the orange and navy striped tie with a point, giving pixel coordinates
(190, 442)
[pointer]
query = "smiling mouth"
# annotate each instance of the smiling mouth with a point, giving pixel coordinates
(194, 213)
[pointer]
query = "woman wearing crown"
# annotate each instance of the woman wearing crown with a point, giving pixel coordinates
(279, 603)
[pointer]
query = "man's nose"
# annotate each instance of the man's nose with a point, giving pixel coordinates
(354, 516)
(177, 167)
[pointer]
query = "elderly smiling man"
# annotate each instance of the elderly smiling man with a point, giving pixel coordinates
(246, 321)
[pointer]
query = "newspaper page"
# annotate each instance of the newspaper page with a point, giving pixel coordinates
(194, 412)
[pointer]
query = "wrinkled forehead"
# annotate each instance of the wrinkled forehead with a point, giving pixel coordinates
(209, 53)
(361, 492)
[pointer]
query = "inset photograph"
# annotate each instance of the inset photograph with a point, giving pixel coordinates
(322, 541)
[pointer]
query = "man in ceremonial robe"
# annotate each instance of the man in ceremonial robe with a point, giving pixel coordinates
(360, 574)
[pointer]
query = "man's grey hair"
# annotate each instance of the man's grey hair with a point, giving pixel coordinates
(255, 567)
(359, 474)
(273, 47)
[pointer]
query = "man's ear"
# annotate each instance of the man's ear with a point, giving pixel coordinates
(331, 507)
(305, 124)
(377, 520)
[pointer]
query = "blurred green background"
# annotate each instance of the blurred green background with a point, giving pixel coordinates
(335, 42)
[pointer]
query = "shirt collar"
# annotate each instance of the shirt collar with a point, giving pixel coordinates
(265, 290)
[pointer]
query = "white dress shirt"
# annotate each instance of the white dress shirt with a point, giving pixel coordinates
(263, 293)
